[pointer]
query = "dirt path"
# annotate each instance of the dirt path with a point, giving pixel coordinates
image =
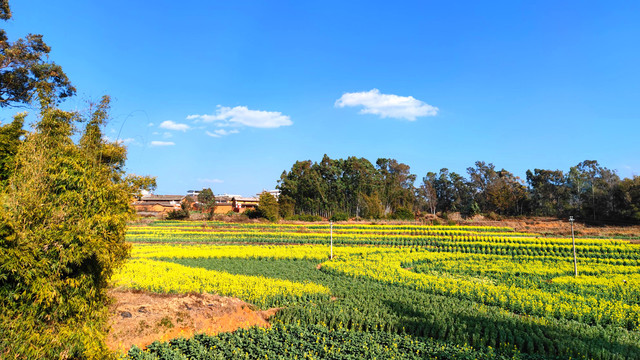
(139, 318)
(560, 227)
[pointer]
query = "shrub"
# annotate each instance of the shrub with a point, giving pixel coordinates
(286, 206)
(402, 214)
(178, 214)
(268, 207)
(252, 214)
(207, 202)
(62, 228)
(493, 216)
(340, 216)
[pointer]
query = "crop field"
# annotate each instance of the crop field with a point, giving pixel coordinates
(395, 291)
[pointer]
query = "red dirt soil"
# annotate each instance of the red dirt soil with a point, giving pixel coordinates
(559, 227)
(140, 318)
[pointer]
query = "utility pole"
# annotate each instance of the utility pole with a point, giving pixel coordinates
(331, 229)
(575, 261)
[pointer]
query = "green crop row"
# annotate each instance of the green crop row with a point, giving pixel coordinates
(312, 342)
(364, 305)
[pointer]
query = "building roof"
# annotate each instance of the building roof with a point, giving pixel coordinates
(253, 199)
(150, 203)
(162, 198)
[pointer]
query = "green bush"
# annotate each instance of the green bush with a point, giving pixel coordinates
(340, 216)
(493, 216)
(62, 227)
(402, 214)
(268, 207)
(252, 214)
(207, 202)
(178, 214)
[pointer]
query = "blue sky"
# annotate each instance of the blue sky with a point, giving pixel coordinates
(229, 94)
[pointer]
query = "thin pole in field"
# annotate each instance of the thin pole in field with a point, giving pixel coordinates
(331, 230)
(575, 261)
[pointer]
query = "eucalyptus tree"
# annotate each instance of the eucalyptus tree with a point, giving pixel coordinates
(397, 184)
(548, 192)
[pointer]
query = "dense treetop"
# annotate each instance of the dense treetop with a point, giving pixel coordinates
(356, 187)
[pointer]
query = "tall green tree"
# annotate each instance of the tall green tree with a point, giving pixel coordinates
(592, 187)
(627, 195)
(482, 177)
(453, 192)
(62, 226)
(549, 195)
(25, 69)
(331, 186)
(63, 213)
(397, 188)
(207, 202)
(360, 183)
(268, 207)
(427, 192)
(507, 194)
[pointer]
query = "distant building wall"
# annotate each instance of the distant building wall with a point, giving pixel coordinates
(241, 204)
(223, 208)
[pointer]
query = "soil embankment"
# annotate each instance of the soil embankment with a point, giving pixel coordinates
(140, 318)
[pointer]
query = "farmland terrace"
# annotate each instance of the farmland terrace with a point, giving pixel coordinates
(398, 291)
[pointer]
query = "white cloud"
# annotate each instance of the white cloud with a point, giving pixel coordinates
(127, 141)
(211, 181)
(162, 143)
(221, 132)
(387, 105)
(167, 135)
(242, 116)
(150, 124)
(170, 125)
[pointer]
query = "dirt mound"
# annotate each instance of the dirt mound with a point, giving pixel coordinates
(140, 318)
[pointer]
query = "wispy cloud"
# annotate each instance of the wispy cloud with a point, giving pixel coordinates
(387, 105)
(170, 125)
(243, 116)
(162, 143)
(211, 181)
(127, 141)
(221, 132)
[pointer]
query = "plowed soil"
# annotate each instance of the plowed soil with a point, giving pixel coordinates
(140, 318)
(561, 227)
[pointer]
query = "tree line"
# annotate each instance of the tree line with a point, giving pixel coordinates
(358, 188)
